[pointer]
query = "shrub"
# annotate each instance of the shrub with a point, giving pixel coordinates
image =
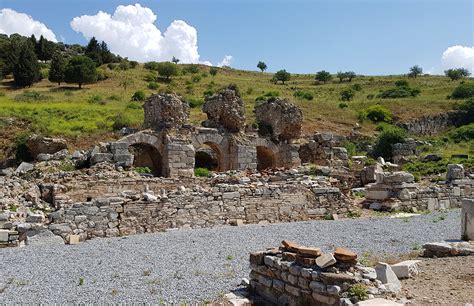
(399, 92)
(343, 105)
(151, 65)
(463, 133)
(115, 98)
(102, 74)
(150, 77)
(208, 93)
(347, 94)
(194, 102)
(202, 172)
(370, 96)
(467, 111)
(378, 113)
(133, 64)
(124, 65)
(303, 94)
(358, 291)
(139, 96)
(357, 87)
(402, 83)
(196, 78)
(121, 120)
(386, 140)
(96, 99)
(143, 170)
(29, 96)
(191, 68)
(213, 71)
(153, 85)
(463, 91)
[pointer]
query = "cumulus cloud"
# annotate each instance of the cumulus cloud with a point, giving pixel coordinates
(12, 22)
(131, 32)
(458, 57)
(226, 61)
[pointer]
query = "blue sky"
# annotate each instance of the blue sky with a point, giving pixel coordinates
(369, 37)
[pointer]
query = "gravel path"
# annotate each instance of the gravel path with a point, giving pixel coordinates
(191, 265)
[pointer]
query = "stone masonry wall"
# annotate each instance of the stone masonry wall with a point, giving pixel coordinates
(127, 207)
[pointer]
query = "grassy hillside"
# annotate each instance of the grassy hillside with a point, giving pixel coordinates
(88, 114)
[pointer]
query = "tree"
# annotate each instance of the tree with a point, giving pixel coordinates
(282, 75)
(81, 70)
(44, 49)
(341, 76)
(26, 70)
(213, 71)
(57, 69)
(167, 70)
(94, 51)
(347, 94)
(323, 76)
(415, 71)
(125, 82)
(262, 66)
(175, 60)
(350, 75)
(457, 74)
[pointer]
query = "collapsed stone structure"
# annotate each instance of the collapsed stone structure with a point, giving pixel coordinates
(279, 119)
(398, 190)
(296, 275)
(324, 149)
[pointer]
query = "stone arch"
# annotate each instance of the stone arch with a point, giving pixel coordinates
(147, 150)
(267, 154)
(210, 138)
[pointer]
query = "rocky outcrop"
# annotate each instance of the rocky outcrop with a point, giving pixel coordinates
(431, 125)
(279, 118)
(401, 151)
(44, 145)
(165, 111)
(225, 110)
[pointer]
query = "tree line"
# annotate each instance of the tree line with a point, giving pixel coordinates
(24, 57)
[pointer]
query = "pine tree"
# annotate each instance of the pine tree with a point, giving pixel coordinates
(80, 70)
(94, 51)
(57, 69)
(26, 70)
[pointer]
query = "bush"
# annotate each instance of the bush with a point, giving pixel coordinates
(463, 133)
(191, 68)
(196, 78)
(343, 105)
(151, 65)
(378, 113)
(102, 74)
(143, 170)
(124, 65)
(358, 291)
(153, 85)
(208, 93)
(268, 95)
(399, 92)
(194, 102)
(213, 71)
(96, 99)
(386, 140)
(466, 111)
(303, 94)
(463, 91)
(133, 64)
(357, 87)
(139, 96)
(202, 172)
(347, 94)
(150, 77)
(115, 98)
(29, 96)
(402, 83)
(121, 120)
(370, 96)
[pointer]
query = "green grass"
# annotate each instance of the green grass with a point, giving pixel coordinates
(68, 111)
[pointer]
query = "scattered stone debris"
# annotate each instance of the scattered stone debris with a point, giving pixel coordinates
(38, 145)
(448, 248)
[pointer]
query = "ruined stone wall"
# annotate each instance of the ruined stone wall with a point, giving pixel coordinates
(431, 125)
(123, 208)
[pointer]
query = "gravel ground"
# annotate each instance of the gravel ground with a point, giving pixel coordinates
(191, 265)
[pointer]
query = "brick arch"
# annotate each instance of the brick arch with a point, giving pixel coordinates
(216, 142)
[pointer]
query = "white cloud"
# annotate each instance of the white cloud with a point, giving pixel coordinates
(458, 57)
(131, 32)
(13, 22)
(226, 61)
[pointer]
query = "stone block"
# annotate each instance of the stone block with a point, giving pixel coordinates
(371, 194)
(386, 275)
(4, 235)
(406, 269)
(308, 252)
(344, 255)
(467, 219)
(321, 298)
(295, 291)
(317, 286)
(74, 239)
(290, 245)
(378, 302)
(325, 260)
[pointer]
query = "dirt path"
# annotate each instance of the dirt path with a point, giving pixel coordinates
(442, 281)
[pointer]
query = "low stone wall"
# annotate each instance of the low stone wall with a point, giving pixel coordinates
(153, 207)
(397, 190)
(296, 275)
